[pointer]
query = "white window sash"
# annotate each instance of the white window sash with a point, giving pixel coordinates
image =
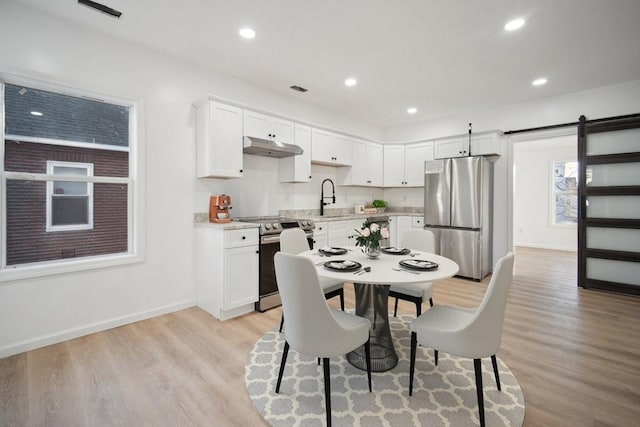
(88, 167)
(135, 185)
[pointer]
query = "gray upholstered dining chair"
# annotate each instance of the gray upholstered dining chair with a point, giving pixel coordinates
(419, 240)
(312, 327)
(294, 241)
(469, 333)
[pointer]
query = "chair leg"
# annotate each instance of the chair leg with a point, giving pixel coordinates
(282, 363)
(367, 352)
(431, 302)
(494, 362)
(477, 366)
(327, 389)
(412, 363)
(281, 323)
(418, 308)
(342, 299)
(395, 308)
(435, 355)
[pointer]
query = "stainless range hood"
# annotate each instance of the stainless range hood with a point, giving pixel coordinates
(267, 147)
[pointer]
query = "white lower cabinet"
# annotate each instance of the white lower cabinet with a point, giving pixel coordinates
(320, 236)
(343, 233)
(226, 270)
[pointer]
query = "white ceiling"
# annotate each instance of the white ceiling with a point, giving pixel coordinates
(442, 57)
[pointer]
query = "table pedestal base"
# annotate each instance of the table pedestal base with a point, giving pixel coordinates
(372, 302)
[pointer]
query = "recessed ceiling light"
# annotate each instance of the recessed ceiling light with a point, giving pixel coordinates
(539, 82)
(514, 24)
(36, 113)
(247, 33)
(350, 82)
(412, 110)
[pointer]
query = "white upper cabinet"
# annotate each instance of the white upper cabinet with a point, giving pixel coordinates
(366, 167)
(298, 168)
(218, 140)
(452, 147)
(487, 144)
(328, 148)
(404, 164)
(267, 127)
(393, 165)
(414, 157)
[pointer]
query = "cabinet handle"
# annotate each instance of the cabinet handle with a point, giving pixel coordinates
(257, 252)
(240, 170)
(244, 237)
(309, 176)
(319, 228)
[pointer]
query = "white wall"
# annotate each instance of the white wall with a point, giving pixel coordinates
(41, 311)
(532, 162)
(614, 100)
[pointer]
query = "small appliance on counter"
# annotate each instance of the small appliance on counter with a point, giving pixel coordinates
(219, 206)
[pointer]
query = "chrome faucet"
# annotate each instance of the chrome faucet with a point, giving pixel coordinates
(322, 197)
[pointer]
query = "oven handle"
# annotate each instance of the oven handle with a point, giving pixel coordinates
(276, 238)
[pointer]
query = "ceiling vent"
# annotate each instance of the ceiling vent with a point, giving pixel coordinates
(101, 8)
(299, 88)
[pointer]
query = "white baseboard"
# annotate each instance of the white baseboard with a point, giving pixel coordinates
(80, 331)
(538, 246)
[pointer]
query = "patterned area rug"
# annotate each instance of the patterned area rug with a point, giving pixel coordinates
(443, 395)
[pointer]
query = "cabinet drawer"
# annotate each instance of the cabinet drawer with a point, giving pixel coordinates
(238, 238)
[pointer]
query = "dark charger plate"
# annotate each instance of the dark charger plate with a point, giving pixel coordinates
(395, 251)
(418, 264)
(333, 251)
(342, 265)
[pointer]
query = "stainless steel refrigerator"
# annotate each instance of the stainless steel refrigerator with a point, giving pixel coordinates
(458, 203)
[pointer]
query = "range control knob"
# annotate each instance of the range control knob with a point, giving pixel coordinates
(267, 226)
(276, 225)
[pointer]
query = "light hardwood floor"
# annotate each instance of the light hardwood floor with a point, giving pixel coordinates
(576, 354)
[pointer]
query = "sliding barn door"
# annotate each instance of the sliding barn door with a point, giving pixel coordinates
(609, 205)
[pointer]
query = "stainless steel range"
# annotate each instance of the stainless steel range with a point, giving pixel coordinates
(270, 229)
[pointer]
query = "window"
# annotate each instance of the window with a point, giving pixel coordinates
(69, 203)
(68, 193)
(564, 194)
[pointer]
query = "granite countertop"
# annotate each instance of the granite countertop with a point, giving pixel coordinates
(202, 220)
(342, 214)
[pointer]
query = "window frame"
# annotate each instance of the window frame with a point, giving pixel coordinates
(554, 193)
(135, 182)
(88, 167)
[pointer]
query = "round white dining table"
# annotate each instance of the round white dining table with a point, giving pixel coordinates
(371, 284)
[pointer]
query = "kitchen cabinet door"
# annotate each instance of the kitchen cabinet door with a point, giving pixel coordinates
(241, 276)
(218, 140)
(415, 155)
(328, 148)
(375, 158)
(485, 145)
(298, 168)
(267, 127)
(452, 147)
(342, 233)
(366, 165)
(320, 236)
(393, 170)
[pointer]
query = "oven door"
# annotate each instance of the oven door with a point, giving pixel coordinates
(269, 245)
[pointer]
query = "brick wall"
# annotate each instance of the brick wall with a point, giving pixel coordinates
(27, 238)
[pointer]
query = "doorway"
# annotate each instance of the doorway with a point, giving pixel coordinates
(543, 189)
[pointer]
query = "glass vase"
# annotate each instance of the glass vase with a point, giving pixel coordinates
(372, 251)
